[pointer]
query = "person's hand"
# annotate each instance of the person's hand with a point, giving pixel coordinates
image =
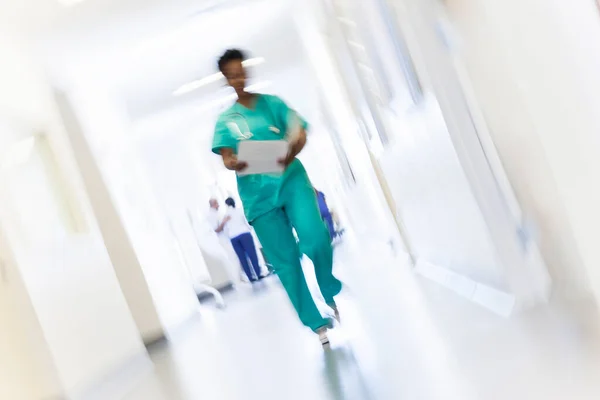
(235, 165)
(291, 155)
(231, 162)
(295, 147)
(287, 160)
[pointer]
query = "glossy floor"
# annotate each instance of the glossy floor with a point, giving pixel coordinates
(401, 338)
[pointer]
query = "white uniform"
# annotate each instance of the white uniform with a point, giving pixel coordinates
(237, 224)
(214, 220)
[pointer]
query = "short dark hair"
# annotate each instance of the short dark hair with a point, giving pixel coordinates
(230, 202)
(230, 55)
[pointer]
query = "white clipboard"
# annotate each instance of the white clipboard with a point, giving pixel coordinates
(262, 156)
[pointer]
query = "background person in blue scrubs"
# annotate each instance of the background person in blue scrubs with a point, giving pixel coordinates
(238, 230)
(325, 213)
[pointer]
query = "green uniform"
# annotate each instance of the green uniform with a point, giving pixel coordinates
(274, 204)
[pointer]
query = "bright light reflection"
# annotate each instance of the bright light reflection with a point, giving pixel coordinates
(231, 97)
(69, 3)
(194, 85)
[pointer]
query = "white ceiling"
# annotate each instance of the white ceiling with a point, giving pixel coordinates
(21, 15)
(148, 48)
(43, 16)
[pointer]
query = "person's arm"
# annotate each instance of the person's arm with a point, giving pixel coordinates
(295, 148)
(230, 160)
(222, 224)
(225, 145)
(295, 128)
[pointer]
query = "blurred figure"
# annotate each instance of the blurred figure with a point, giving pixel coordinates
(277, 203)
(238, 230)
(213, 217)
(325, 213)
(217, 225)
(337, 225)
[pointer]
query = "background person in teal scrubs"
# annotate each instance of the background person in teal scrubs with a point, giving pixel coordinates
(275, 204)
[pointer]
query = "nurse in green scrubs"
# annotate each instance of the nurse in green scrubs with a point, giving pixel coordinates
(277, 204)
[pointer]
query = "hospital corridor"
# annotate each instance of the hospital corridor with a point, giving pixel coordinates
(325, 199)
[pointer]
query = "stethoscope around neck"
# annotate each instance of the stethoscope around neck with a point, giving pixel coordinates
(238, 125)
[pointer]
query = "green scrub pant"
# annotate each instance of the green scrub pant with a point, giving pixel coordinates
(297, 208)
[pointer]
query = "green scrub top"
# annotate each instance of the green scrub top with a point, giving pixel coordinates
(269, 120)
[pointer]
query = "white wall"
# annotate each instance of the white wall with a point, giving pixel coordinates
(432, 194)
(107, 129)
(27, 370)
(57, 249)
(537, 85)
(363, 199)
(118, 244)
(435, 199)
(456, 213)
(168, 147)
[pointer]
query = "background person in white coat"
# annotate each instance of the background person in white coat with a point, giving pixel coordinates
(215, 219)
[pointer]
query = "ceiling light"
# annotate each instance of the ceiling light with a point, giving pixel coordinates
(232, 97)
(69, 3)
(259, 86)
(251, 62)
(194, 85)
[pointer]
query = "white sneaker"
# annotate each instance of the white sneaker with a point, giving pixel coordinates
(323, 337)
